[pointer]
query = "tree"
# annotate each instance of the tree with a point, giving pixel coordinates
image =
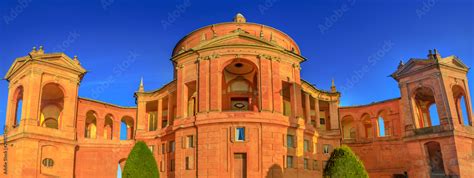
(344, 163)
(140, 163)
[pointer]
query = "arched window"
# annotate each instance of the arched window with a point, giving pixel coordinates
(126, 128)
(91, 125)
(239, 86)
(192, 98)
(348, 127)
(463, 112)
(368, 129)
(108, 127)
(381, 126)
(425, 109)
(18, 103)
(52, 103)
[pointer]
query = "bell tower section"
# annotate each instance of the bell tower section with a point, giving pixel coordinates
(437, 115)
(41, 113)
(435, 94)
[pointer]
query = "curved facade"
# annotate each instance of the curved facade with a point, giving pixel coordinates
(237, 107)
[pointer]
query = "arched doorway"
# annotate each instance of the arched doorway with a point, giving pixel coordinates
(435, 158)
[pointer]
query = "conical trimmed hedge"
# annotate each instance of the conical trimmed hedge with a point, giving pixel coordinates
(344, 163)
(140, 163)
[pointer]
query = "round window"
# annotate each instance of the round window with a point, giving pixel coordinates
(48, 162)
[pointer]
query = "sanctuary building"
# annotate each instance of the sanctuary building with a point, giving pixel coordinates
(236, 107)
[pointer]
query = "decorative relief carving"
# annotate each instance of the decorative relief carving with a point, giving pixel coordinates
(179, 67)
(269, 57)
(212, 56)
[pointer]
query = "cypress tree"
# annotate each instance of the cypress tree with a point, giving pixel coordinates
(140, 163)
(344, 163)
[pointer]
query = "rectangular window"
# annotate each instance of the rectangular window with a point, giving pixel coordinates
(163, 148)
(290, 140)
(152, 148)
(172, 165)
(306, 166)
(162, 167)
(289, 161)
(190, 141)
(313, 123)
(315, 165)
(172, 146)
(306, 146)
(240, 134)
(188, 167)
(322, 121)
(326, 149)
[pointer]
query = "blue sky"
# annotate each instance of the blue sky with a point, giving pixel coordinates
(121, 41)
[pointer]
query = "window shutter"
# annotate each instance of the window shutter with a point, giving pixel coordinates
(232, 134)
(284, 140)
(195, 141)
(191, 162)
(284, 161)
(295, 141)
(183, 142)
(247, 134)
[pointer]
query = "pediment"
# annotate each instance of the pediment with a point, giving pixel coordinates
(453, 61)
(57, 59)
(413, 65)
(235, 38)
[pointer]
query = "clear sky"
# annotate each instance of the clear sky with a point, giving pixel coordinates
(120, 41)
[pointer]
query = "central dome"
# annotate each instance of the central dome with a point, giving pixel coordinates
(261, 34)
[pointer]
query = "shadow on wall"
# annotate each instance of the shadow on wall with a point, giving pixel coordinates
(275, 172)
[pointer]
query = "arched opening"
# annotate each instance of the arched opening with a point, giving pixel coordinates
(52, 104)
(239, 86)
(425, 110)
(348, 127)
(435, 158)
(381, 126)
(191, 98)
(126, 128)
(152, 115)
(108, 127)
(120, 166)
(368, 129)
(384, 127)
(18, 103)
(91, 125)
(286, 98)
(461, 104)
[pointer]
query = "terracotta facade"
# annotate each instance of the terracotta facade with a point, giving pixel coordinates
(237, 107)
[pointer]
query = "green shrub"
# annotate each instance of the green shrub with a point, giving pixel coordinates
(140, 163)
(343, 163)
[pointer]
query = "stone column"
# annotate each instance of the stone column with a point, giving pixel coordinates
(307, 108)
(317, 115)
(159, 114)
(334, 115)
(276, 86)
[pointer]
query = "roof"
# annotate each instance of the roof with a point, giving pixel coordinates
(371, 104)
